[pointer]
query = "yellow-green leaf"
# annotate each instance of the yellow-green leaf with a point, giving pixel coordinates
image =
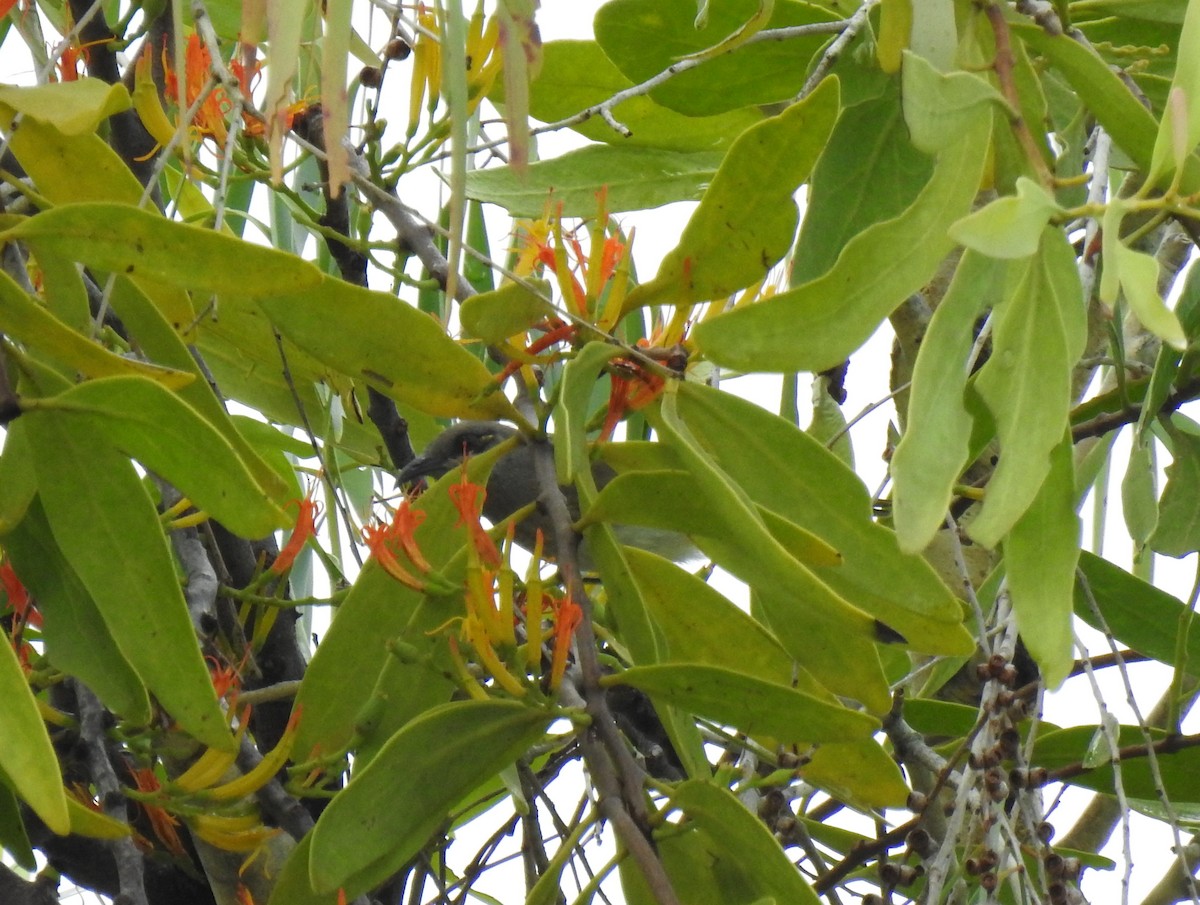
(747, 219)
(123, 239)
(26, 755)
(377, 338)
(386, 813)
(106, 526)
(754, 706)
(164, 433)
(73, 108)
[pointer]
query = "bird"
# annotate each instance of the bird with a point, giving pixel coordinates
(513, 485)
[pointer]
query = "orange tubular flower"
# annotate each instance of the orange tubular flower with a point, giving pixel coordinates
(210, 117)
(381, 542)
(306, 528)
(161, 822)
(468, 499)
(567, 616)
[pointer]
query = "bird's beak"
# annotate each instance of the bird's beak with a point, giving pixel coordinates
(422, 467)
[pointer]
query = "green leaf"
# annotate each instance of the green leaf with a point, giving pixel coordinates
(105, 524)
(742, 837)
(636, 179)
(293, 886)
(338, 683)
(72, 108)
(1179, 132)
(1178, 530)
(861, 773)
(392, 346)
(22, 318)
(576, 75)
(1180, 771)
(644, 37)
(817, 325)
(784, 470)
(934, 448)
(13, 838)
(699, 625)
(1009, 227)
(388, 811)
(1140, 615)
(868, 172)
(78, 641)
(18, 483)
(754, 706)
(571, 417)
(1039, 334)
(154, 426)
(940, 107)
(156, 338)
(26, 755)
(827, 635)
(1139, 495)
(122, 239)
(1040, 556)
(1137, 275)
(747, 219)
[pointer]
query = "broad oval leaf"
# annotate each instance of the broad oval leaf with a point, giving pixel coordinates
(73, 108)
(153, 425)
(635, 179)
(644, 37)
(391, 807)
(106, 526)
(747, 219)
(496, 315)
(750, 704)
(402, 352)
(745, 839)
(124, 239)
(1009, 227)
(576, 75)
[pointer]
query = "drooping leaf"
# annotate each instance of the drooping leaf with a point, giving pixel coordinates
(817, 325)
(390, 345)
(782, 469)
(78, 641)
(104, 522)
(747, 219)
(390, 808)
(1178, 530)
(744, 839)
(124, 239)
(27, 757)
(754, 706)
(148, 422)
(636, 179)
(1039, 334)
(1040, 556)
(933, 450)
(826, 634)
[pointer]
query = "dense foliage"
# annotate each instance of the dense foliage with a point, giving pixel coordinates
(231, 306)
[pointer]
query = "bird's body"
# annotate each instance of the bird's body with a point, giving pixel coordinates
(513, 485)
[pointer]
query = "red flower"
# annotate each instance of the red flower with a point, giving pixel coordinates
(306, 527)
(464, 494)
